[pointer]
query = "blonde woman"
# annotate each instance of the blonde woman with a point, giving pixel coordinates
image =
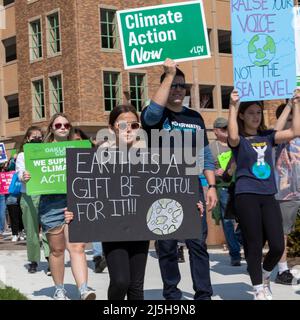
(51, 213)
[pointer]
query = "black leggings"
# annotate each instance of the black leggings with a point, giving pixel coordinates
(260, 221)
(15, 215)
(126, 263)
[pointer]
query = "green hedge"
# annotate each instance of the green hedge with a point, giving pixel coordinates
(294, 240)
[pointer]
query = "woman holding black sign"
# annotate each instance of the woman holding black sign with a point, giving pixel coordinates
(126, 261)
(51, 213)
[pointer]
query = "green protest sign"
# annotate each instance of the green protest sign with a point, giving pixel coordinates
(224, 159)
(149, 35)
(46, 163)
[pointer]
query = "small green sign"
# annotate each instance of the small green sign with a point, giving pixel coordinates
(149, 35)
(224, 159)
(46, 163)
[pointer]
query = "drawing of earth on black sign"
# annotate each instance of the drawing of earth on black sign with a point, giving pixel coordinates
(165, 216)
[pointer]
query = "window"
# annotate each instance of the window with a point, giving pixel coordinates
(225, 92)
(13, 106)
(109, 29)
(224, 38)
(112, 89)
(56, 94)
(35, 40)
(7, 2)
(209, 34)
(53, 34)
(206, 96)
(38, 99)
(10, 49)
(138, 90)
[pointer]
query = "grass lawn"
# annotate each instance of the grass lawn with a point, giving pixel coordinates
(9, 293)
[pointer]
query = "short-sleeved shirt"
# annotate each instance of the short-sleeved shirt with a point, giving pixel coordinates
(185, 120)
(287, 171)
(255, 170)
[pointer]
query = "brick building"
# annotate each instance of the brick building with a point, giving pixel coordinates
(65, 56)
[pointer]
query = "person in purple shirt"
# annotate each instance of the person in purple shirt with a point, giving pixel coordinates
(258, 211)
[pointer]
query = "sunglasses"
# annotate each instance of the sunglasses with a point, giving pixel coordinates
(59, 125)
(123, 125)
(178, 85)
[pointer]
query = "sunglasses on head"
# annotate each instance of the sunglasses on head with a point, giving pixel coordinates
(123, 125)
(59, 125)
(178, 85)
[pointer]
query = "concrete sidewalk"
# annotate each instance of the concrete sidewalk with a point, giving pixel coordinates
(229, 283)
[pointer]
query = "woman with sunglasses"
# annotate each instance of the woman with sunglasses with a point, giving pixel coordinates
(51, 212)
(126, 261)
(257, 210)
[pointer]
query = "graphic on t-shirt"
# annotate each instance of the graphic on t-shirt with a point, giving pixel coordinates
(261, 169)
(165, 216)
(167, 126)
(181, 126)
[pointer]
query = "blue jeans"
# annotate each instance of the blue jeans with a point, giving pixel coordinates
(228, 227)
(2, 213)
(199, 264)
(51, 211)
(97, 249)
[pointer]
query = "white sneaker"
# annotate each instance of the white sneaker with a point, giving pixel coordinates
(267, 289)
(21, 237)
(14, 238)
(260, 295)
(60, 294)
(88, 295)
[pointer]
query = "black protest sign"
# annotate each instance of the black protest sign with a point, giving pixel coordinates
(130, 201)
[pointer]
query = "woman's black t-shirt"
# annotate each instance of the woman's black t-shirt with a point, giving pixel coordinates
(255, 171)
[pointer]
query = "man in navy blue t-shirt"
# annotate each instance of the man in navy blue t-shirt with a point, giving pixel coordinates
(166, 112)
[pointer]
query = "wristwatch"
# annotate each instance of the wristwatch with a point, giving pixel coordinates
(212, 186)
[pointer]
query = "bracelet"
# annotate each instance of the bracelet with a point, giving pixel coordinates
(212, 186)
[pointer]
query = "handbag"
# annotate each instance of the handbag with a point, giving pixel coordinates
(15, 185)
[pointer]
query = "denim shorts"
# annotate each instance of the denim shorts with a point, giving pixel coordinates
(51, 211)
